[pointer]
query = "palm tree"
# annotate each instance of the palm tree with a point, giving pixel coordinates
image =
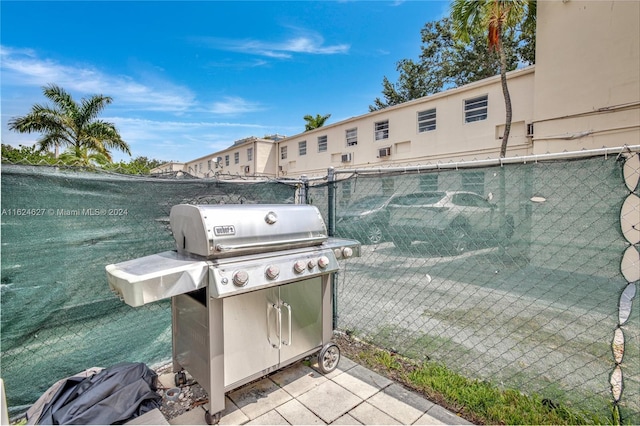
(83, 157)
(72, 125)
(315, 122)
(493, 19)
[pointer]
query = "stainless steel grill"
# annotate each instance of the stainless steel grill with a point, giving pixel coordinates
(251, 289)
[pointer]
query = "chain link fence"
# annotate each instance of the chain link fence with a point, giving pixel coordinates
(513, 274)
(60, 228)
(523, 274)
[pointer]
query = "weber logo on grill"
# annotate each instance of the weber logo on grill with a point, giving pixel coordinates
(224, 230)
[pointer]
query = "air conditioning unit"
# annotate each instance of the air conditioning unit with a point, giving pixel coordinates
(384, 152)
(246, 169)
(346, 158)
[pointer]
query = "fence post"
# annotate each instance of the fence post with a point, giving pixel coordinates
(331, 202)
(331, 218)
(303, 190)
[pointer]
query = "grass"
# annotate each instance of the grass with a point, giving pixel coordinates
(477, 401)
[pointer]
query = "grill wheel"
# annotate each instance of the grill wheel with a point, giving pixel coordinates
(328, 358)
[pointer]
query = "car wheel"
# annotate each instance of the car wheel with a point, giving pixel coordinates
(459, 238)
(374, 234)
(509, 227)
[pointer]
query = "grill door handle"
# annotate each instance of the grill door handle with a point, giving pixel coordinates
(223, 248)
(270, 307)
(286, 305)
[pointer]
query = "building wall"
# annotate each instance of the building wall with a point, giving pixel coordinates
(262, 162)
(452, 138)
(168, 168)
(587, 79)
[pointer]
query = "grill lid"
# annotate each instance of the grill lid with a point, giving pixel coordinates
(216, 231)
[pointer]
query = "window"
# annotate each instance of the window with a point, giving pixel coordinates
(249, 154)
(474, 182)
(382, 130)
(426, 120)
(236, 158)
(302, 148)
(429, 182)
(388, 186)
(226, 160)
(346, 191)
(470, 200)
(351, 136)
(476, 109)
(283, 152)
(322, 144)
(209, 165)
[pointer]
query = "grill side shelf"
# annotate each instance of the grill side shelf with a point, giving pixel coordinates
(159, 276)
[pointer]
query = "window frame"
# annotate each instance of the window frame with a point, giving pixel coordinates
(236, 158)
(476, 109)
(381, 130)
(351, 136)
(283, 152)
(426, 120)
(250, 154)
(302, 148)
(323, 142)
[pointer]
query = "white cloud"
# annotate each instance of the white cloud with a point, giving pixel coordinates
(25, 68)
(234, 105)
(311, 43)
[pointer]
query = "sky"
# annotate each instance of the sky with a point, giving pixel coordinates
(189, 78)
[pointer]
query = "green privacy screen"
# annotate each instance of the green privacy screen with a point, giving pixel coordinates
(59, 231)
(510, 274)
(522, 275)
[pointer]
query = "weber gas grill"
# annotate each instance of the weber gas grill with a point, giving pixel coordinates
(251, 291)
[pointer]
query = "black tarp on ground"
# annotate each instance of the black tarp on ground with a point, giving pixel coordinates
(112, 396)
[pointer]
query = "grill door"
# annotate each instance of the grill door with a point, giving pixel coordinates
(265, 328)
(304, 299)
(247, 349)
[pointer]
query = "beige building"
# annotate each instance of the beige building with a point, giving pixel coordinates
(464, 123)
(168, 168)
(251, 156)
(587, 77)
(583, 93)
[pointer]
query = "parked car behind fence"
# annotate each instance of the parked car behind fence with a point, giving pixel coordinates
(456, 218)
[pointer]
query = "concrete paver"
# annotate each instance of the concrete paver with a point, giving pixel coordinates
(362, 382)
(367, 414)
(346, 420)
(298, 379)
(301, 395)
(297, 414)
(399, 403)
(329, 401)
(259, 398)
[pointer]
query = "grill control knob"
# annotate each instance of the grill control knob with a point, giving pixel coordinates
(240, 278)
(299, 266)
(272, 272)
(311, 264)
(323, 262)
(271, 218)
(347, 252)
